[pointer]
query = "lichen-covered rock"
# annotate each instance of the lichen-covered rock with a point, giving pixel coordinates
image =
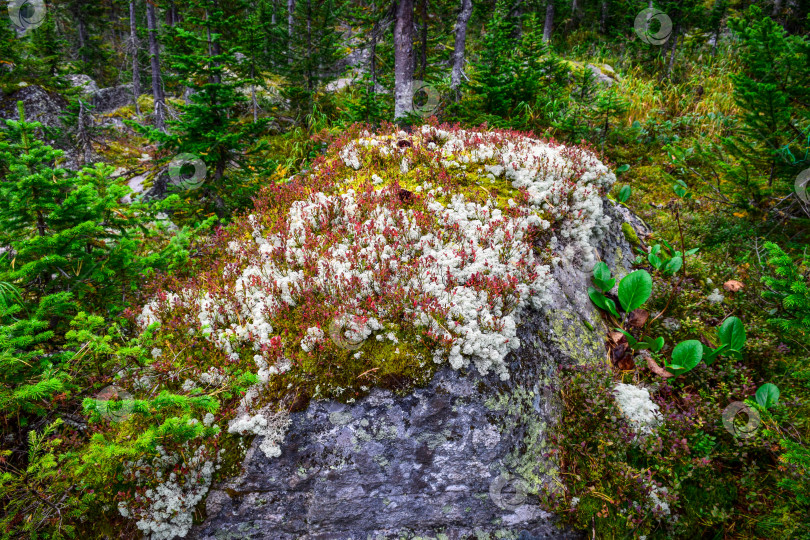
(110, 99)
(404, 307)
(40, 105)
(463, 457)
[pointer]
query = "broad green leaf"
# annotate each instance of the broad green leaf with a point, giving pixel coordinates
(612, 307)
(692, 251)
(767, 395)
(655, 262)
(624, 194)
(598, 298)
(602, 278)
(623, 168)
(732, 333)
(686, 355)
(635, 289)
(673, 265)
(657, 345)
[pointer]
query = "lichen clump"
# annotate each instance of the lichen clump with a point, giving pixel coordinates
(444, 263)
(395, 254)
(638, 408)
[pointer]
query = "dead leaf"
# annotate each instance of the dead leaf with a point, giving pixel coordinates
(616, 337)
(626, 363)
(619, 352)
(638, 317)
(732, 285)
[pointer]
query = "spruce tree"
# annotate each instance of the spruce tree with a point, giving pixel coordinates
(208, 125)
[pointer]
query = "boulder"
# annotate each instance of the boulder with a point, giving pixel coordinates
(79, 80)
(603, 74)
(462, 457)
(40, 105)
(110, 99)
(456, 263)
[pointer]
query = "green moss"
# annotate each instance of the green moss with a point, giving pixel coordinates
(630, 234)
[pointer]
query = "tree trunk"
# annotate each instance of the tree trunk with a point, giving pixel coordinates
(603, 17)
(113, 21)
(777, 8)
(424, 36)
(171, 14)
(403, 59)
(133, 47)
(154, 56)
(290, 23)
(375, 31)
(549, 24)
(674, 47)
(461, 40)
(82, 38)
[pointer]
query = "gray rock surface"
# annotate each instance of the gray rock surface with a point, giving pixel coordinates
(79, 80)
(463, 457)
(109, 99)
(40, 105)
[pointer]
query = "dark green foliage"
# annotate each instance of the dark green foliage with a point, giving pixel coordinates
(787, 286)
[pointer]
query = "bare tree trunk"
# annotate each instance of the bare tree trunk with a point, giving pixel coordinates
(154, 55)
(375, 32)
(82, 38)
(290, 22)
(603, 17)
(403, 59)
(461, 40)
(777, 8)
(171, 14)
(549, 24)
(674, 47)
(133, 47)
(113, 21)
(423, 45)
